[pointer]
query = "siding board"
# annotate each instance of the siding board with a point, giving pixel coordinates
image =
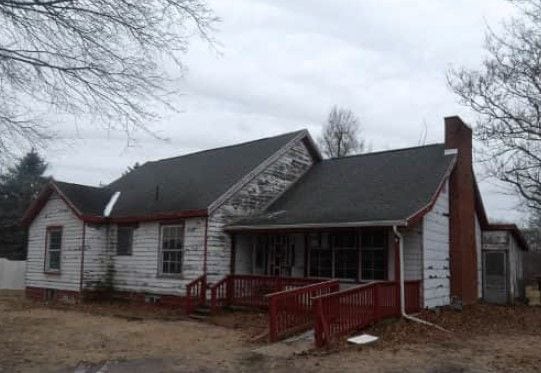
(436, 273)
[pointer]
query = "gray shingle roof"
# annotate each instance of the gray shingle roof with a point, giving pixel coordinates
(188, 182)
(87, 199)
(374, 187)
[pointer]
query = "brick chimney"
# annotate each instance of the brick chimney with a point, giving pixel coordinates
(463, 256)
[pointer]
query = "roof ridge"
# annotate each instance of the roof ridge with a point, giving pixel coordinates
(383, 151)
(77, 184)
(227, 146)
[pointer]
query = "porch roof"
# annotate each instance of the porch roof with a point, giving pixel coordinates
(373, 189)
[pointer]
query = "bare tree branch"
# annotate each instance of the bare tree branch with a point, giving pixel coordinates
(341, 134)
(98, 58)
(506, 95)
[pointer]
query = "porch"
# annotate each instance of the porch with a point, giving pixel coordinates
(351, 256)
(334, 281)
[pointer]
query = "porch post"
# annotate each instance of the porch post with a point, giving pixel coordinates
(306, 253)
(233, 254)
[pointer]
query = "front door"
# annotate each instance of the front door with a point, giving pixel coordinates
(281, 250)
(495, 277)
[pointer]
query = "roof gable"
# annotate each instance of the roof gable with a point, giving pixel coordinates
(178, 187)
(370, 189)
(193, 181)
(86, 202)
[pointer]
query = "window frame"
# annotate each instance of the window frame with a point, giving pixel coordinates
(318, 244)
(163, 228)
(259, 251)
(326, 241)
(341, 249)
(47, 257)
(132, 230)
(327, 248)
(384, 248)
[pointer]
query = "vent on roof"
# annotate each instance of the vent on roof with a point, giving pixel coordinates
(109, 208)
(111, 204)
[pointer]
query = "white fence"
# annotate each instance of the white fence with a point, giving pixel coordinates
(12, 274)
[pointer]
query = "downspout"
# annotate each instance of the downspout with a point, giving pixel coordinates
(401, 280)
(82, 267)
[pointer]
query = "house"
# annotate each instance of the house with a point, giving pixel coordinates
(271, 207)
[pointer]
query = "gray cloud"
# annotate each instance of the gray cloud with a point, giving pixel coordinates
(282, 64)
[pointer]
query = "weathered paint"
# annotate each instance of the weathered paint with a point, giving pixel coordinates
(139, 272)
(413, 252)
(55, 213)
(96, 257)
(252, 197)
(435, 243)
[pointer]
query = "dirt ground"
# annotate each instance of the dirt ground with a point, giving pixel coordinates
(119, 338)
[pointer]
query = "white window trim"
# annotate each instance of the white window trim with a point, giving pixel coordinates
(118, 228)
(160, 251)
(47, 266)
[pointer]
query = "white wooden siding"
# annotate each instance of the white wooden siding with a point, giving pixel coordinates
(55, 212)
(139, 272)
(252, 197)
(436, 272)
(413, 253)
(96, 256)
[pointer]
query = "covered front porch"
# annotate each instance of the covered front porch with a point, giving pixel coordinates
(351, 256)
(335, 281)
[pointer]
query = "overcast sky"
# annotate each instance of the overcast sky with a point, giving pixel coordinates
(281, 65)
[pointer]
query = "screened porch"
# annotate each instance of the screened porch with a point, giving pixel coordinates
(351, 256)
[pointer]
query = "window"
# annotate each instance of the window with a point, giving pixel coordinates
(172, 248)
(124, 240)
(334, 255)
(53, 249)
(320, 256)
(259, 255)
(346, 260)
(373, 255)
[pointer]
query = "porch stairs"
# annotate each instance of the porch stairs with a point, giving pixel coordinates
(201, 312)
(298, 304)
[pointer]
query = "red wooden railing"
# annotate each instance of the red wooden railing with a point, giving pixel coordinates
(196, 293)
(414, 296)
(250, 290)
(343, 312)
(220, 294)
(290, 311)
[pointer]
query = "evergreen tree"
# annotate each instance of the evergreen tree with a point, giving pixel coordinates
(18, 187)
(135, 166)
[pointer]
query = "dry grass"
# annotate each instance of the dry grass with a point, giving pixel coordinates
(37, 337)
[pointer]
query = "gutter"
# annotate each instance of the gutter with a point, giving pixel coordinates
(380, 223)
(402, 294)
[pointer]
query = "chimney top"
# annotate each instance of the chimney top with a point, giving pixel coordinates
(458, 135)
